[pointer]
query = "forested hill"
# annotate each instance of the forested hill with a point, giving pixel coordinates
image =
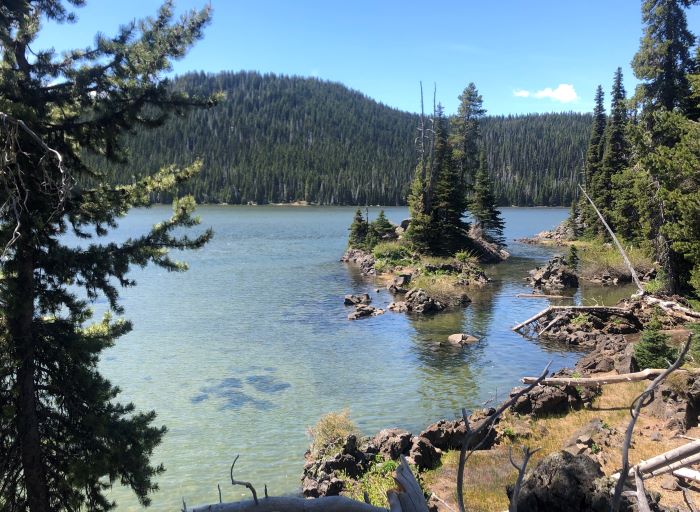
(283, 139)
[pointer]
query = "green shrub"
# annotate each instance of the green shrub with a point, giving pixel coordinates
(467, 257)
(694, 351)
(653, 350)
(330, 430)
(572, 258)
(391, 251)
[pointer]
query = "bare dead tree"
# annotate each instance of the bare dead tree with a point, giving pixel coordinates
(522, 468)
(688, 498)
(642, 400)
(642, 502)
(486, 424)
(635, 278)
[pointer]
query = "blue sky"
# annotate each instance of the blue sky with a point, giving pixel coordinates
(523, 56)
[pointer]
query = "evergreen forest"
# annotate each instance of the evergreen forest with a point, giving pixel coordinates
(276, 139)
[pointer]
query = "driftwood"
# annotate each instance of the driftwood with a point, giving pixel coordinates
(687, 474)
(659, 464)
(407, 498)
(642, 502)
(641, 401)
(672, 308)
(610, 310)
(602, 381)
(687, 498)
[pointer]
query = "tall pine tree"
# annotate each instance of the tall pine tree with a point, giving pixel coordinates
(64, 437)
(482, 205)
(466, 133)
(664, 61)
(594, 156)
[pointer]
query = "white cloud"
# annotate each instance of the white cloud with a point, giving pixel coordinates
(564, 93)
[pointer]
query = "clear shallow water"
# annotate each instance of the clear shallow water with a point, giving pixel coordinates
(252, 345)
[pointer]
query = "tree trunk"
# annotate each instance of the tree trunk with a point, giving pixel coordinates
(20, 329)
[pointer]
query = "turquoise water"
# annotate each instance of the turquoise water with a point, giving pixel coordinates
(251, 346)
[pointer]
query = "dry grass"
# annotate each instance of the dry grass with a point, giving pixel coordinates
(489, 472)
(597, 258)
(443, 287)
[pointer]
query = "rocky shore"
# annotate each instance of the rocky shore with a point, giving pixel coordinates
(572, 476)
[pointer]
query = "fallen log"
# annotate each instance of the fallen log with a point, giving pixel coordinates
(676, 455)
(602, 381)
(687, 461)
(687, 474)
(407, 498)
(674, 309)
(610, 310)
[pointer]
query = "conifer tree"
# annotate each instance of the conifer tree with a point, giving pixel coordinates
(594, 155)
(359, 229)
(466, 133)
(616, 153)
(382, 228)
(450, 203)
(482, 205)
(663, 61)
(64, 436)
(666, 144)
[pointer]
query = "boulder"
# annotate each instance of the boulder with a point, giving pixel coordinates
(562, 482)
(545, 400)
(555, 274)
(354, 300)
(423, 454)
(362, 259)
(418, 301)
(364, 311)
(405, 223)
(591, 439)
(445, 434)
(320, 477)
(391, 443)
(402, 280)
(462, 339)
(396, 290)
(398, 307)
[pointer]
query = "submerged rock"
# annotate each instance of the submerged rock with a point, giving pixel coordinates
(364, 311)
(354, 300)
(461, 339)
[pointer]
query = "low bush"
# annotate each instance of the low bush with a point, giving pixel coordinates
(330, 430)
(653, 350)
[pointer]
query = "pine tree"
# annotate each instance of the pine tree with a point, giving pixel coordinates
(64, 437)
(482, 205)
(594, 155)
(663, 61)
(359, 229)
(382, 228)
(466, 133)
(449, 204)
(615, 155)
(666, 143)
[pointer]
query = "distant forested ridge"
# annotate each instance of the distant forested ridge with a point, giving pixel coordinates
(284, 139)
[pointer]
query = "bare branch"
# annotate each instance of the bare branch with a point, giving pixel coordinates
(641, 401)
(245, 484)
(527, 453)
(602, 381)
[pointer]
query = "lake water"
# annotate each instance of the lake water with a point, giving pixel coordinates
(247, 349)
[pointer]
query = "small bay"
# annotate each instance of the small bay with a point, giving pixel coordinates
(247, 349)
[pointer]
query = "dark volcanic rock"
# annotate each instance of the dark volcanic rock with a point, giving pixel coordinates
(364, 311)
(354, 300)
(418, 301)
(544, 400)
(360, 258)
(445, 434)
(320, 476)
(391, 442)
(677, 402)
(555, 274)
(424, 454)
(562, 482)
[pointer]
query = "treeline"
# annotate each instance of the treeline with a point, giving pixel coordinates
(283, 139)
(643, 156)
